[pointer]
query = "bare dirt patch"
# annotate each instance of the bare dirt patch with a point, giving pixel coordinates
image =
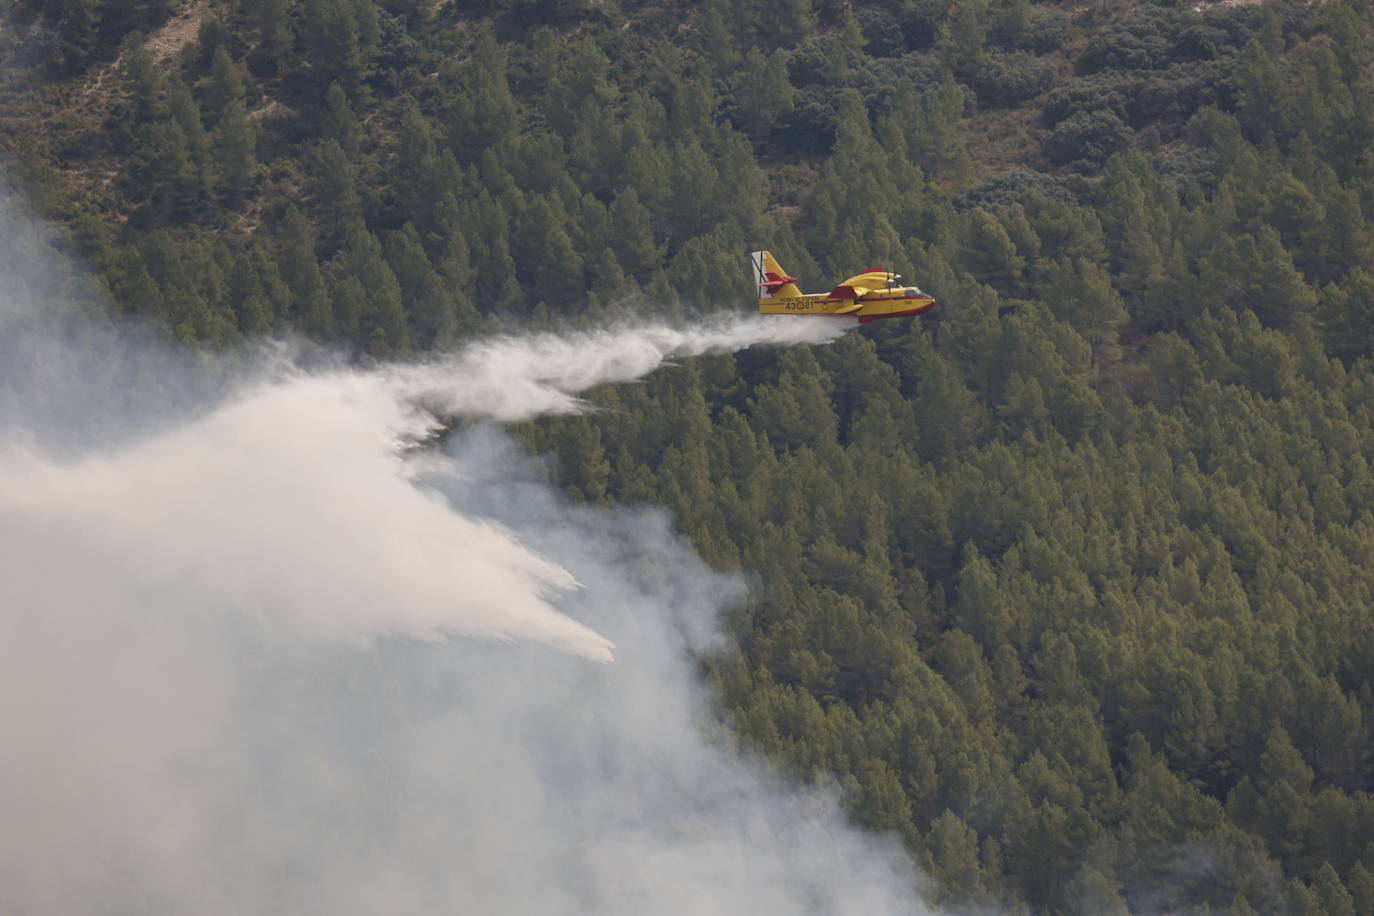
(177, 32)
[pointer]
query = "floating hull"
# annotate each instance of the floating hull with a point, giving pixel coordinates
(865, 310)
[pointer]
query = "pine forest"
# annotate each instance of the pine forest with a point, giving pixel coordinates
(1069, 584)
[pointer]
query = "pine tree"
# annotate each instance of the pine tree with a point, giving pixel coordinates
(765, 95)
(348, 304)
(271, 18)
(632, 235)
(248, 298)
(1081, 293)
(311, 310)
(235, 150)
(381, 323)
(711, 25)
(226, 86)
(338, 123)
(1361, 884)
(953, 851)
(1347, 315)
(335, 192)
(416, 172)
(340, 38)
(481, 114)
(550, 266)
(428, 305)
(990, 253)
(1334, 899)
(79, 29)
(1261, 93)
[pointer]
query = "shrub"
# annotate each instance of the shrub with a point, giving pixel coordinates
(881, 30)
(1086, 140)
(921, 21)
(1005, 78)
(1047, 30)
(1142, 41)
(1200, 42)
(1013, 187)
(1138, 99)
(811, 125)
(879, 79)
(1178, 92)
(806, 65)
(1101, 92)
(1188, 168)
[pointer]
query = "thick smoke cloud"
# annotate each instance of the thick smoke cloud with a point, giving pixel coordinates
(260, 654)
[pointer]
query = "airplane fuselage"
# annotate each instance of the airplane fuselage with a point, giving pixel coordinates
(888, 303)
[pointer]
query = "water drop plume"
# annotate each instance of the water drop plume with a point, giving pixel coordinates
(519, 377)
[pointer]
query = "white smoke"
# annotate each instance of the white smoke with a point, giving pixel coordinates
(292, 503)
(518, 378)
(229, 681)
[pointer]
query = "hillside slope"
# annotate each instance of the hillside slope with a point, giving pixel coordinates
(1068, 585)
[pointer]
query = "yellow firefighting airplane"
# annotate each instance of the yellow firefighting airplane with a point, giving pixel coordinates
(867, 296)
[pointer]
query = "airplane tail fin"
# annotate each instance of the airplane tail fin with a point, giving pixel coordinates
(772, 280)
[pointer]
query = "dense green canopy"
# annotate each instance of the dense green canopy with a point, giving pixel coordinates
(1070, 585)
